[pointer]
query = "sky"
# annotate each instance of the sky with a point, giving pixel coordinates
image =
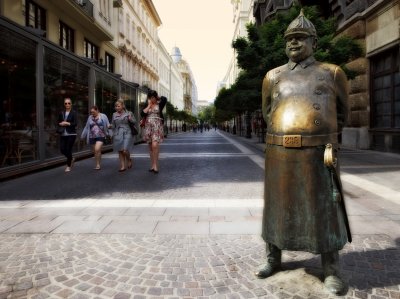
(203, 31)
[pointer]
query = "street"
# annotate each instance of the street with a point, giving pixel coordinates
(191, 231)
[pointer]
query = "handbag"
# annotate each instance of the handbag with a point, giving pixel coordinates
(134, 131)
(142, 122)
(60, 130)
(107, 140)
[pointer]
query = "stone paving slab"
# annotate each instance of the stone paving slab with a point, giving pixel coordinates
(125, 227)
(237, 228)
(194, 228)
(183, 266)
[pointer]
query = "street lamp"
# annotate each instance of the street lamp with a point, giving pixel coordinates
(176, 120)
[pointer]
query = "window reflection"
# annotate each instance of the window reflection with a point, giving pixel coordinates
(106, 93)
(63, 77)
(18, 124)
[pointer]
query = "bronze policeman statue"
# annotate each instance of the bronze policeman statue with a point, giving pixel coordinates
(304, 104)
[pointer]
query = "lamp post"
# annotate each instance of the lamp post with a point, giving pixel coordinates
(176, 120)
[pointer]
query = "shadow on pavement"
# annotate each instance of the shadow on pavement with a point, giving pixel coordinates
(361, 270)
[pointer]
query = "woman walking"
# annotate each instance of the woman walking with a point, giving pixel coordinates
(153, 129)
(67, 121)
(95, 132)
(122, 135)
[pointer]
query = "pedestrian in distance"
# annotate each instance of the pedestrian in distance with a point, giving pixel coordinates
(304, 104)
(67, 122)
(122, 134)
(96, 132)
(153, 130)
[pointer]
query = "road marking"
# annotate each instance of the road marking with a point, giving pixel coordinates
(374, 188)
(253, 156)
(183, 155)
(137, 203)
(193, 143)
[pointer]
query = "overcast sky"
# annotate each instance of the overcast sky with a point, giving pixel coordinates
(203, 31)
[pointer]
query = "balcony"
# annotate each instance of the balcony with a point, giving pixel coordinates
(86, 6)
(87, 15)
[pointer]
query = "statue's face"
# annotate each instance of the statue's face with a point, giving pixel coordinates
(299, 47)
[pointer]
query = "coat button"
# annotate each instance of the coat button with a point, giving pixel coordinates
(316, 106)
(317, 91)
(317, 122)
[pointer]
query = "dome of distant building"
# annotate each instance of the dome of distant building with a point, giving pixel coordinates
(176, 54)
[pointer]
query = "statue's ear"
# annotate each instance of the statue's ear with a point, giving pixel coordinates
(314, 43)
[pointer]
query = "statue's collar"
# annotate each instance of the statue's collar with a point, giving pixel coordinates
(305, 63)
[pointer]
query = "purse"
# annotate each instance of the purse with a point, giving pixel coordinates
(142, 122)
(60, 130)
(107, 140)
(134, 131)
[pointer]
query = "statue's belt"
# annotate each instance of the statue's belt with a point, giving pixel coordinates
(301, 140)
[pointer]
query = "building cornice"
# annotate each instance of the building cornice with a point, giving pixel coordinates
(153, 11)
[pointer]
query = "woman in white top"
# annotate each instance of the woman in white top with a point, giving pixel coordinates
(95, 132)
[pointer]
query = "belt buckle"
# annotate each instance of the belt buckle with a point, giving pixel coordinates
(291, 141)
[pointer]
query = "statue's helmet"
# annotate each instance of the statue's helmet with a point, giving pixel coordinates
(301, 25)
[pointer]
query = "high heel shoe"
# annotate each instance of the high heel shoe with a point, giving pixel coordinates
(121, 170)
(129, 163)
(151, 170)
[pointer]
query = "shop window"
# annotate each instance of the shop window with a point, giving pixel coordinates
(67, 37)
(110, 63)
(106, 93)
(63, 77)
(90, 50)
(128, 94)
(18, 118)
(385, 90)
(35, 16)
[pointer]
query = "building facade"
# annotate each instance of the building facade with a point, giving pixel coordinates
(375, 93)
(374, 100)
(170, 82)
(138, 41)
(242, 15)
(189, 84)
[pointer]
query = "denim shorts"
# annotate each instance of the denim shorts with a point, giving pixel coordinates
(93, 141)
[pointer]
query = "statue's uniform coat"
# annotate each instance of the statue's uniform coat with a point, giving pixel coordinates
(302, 211)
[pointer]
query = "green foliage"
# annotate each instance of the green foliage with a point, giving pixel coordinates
(181, 115)
(170, 110)
(264, 49)
(207, 114)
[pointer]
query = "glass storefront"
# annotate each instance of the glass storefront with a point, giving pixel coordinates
(63, 77)
(35, 77)
(106, 93)
(18, 123)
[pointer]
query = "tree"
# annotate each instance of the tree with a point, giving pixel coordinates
(264, 49)
(207, 114)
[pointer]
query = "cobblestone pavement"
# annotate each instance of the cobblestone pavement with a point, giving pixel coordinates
(197, 235)
(183, 266)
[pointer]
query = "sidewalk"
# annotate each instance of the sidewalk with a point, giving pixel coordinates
(371, 183)
(100, 248)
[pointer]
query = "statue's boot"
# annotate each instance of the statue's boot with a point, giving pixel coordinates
(330, 263)
(273, 262)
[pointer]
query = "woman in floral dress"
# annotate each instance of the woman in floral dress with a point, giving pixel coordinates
(153, 129)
